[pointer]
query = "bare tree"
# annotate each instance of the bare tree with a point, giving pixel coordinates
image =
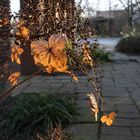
(131, 7)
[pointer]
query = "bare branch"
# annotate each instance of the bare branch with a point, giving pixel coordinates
(123, 4)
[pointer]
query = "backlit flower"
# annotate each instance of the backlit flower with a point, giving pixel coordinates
(50, 55)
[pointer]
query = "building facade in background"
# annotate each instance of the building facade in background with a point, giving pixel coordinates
(109, 23)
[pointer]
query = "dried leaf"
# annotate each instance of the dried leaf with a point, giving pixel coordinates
(50, 54)
(13, 78)
(15, 54)
(75, 78)
(21, 23)
(104, 119)
(109, 122)
(112, 115)
(94, 105)
(5, 21)
(86, 57)
(108, 119)
(23, 32)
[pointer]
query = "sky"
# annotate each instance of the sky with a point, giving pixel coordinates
(104, 4)
(96, 4)
(15, 5)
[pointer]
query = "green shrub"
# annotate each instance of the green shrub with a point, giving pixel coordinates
(129, 45)
(101, 55)
(41, 112)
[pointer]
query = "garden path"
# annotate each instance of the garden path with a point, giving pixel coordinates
(121, 89)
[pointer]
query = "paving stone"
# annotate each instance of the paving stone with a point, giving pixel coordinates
(82, 104)
(118, 100)
(127, 108)
(83, 78)
(128, 115)
(111, 137)
(21, 88)
(118, 77)
(85, 116)
(126, 85)
(115, 89)
(53, 81)
(133, 89)
(82, 96)
(44, 87)
(138, 106)
(116, 131)
(83, 131)
(110, 80)
(135, 122)
(108, 108)
(65, 89)
(108, 84)
(124, 80)
(122, 122)
(136, 131)
(138, 81)
(82, 84)
(117, 72)
(62, 77)
(83, 90)
(132, 76)
(38, 79)
(115, 92)
(36, 89)
(136, 99)
(107, 75)
(66, 81)
(135, 94)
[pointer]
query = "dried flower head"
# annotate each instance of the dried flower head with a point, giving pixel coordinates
(13, 78)
(108, 119)
(23, 32)
(15, 54)
(50, 54)
(93, 104)
(86, 55)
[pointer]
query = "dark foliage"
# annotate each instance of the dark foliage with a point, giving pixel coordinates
(129, 45)
(38, 113)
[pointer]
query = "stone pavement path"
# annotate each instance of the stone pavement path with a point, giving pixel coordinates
(121, 89)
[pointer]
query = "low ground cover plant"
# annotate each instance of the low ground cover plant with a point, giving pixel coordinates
(101, 55)
(35, 114)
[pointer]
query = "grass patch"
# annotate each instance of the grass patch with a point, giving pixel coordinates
(38, 113)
